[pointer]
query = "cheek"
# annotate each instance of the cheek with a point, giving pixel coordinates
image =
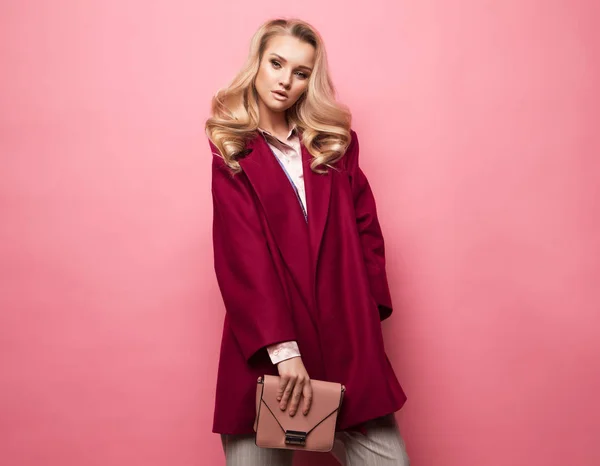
(299, 89)
(262, 78)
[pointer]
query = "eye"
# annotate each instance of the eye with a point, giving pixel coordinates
(302, 75)
(275, 62)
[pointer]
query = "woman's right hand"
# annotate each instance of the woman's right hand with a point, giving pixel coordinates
(294, 382)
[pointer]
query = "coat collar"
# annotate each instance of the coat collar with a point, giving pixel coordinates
(284, 215)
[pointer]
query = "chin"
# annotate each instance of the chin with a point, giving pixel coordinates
(279, 108)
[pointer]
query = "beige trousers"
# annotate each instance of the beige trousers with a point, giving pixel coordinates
(381, 446)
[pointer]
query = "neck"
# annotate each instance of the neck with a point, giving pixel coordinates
(273, 122)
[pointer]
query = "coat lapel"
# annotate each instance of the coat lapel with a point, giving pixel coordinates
(318, 194)
(284, 214)
(298, 241)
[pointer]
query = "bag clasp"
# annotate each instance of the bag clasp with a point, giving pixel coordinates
(295, 437)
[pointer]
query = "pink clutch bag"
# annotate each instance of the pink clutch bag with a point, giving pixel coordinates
(314, 432)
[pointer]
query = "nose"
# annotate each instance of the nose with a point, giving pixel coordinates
(285, 80)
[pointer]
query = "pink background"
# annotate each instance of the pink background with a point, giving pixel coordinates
(478, 124)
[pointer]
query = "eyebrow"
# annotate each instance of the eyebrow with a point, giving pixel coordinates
(285, 61)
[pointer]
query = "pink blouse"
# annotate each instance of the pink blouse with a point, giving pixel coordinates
(290, 155)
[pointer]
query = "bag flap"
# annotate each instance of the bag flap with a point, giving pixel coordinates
(327, 397)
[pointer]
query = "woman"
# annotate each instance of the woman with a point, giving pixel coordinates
(298, 254)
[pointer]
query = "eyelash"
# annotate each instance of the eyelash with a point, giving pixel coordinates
(304, 76)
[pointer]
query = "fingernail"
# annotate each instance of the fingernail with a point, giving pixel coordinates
(278, 398)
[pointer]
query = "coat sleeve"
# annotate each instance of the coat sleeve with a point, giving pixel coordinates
(252, 293)
(369, 230)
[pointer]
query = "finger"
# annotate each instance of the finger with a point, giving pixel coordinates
(283, 381)
(281, 394)
(287, 392)
(308, 395)
(297, 393)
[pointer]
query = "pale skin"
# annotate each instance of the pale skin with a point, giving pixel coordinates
(286, 66)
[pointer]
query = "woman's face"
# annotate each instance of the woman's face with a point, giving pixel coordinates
(285, 67)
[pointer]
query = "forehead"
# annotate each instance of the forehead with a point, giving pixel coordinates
(291, 49)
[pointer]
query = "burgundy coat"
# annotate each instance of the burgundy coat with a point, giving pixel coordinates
(321, 283)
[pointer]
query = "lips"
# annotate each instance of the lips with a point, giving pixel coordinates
(279, 95)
